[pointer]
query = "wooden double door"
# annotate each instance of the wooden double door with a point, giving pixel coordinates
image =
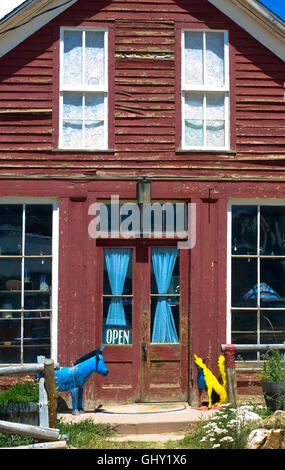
(143, 299)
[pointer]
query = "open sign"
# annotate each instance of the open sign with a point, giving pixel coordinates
(117, 334)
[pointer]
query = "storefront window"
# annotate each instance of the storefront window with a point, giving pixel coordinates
(25, 282)
(258, 276)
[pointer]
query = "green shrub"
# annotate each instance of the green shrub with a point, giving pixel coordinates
(21, 392)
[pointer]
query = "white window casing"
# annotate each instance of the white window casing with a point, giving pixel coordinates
(205, 90)
(83, 109)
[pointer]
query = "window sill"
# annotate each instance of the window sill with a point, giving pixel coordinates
(59, 150)
(207, 151)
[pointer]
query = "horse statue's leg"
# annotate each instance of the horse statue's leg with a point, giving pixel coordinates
(80, 400)
(74, 396)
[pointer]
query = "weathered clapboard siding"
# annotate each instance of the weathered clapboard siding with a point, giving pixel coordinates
(145, 104)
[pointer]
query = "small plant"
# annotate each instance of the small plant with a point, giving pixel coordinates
(226, 429)
(273, 369)
(21, 392)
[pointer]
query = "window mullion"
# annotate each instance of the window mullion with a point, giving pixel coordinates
(204, 117)
(22, 282)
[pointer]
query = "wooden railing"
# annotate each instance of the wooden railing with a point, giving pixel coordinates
(230, 351)
(47, 406)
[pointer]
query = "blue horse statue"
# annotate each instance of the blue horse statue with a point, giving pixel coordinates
(75, 377)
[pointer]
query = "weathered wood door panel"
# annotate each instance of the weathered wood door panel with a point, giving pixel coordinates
(145, 365)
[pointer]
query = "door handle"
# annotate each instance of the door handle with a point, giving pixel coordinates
(144, 352)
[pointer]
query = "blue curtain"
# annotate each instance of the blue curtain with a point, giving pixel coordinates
(163, 261)
(117, 261)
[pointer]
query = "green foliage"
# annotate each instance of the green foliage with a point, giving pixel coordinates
(273, 369)
(21, 392)
(85, 434)
(223, 430)
(10, 440)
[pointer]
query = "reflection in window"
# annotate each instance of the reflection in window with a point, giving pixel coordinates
(165, 298)
(117, 296)
(25, 281)
(258, 276)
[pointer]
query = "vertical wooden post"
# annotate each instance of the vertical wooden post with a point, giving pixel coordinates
(43, 398)
(51, 391)
(230, 353)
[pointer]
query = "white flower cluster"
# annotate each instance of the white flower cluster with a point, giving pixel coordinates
(222, 429)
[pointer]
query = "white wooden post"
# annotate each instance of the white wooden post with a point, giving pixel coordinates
(43, 398)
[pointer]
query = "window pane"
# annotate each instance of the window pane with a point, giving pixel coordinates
(38, 230)
(94, 135)
(215, 133)
(94, 107)
(72, 106)
(10, 283)
(244, 230)
(272, 276)
(273, 320)
(72, 58)
(272, 230)
(194, 105)
(72, 134)
(36, 339)
(215, 106)
(38, 283)
(194, 58)
(11, 229)
(244, 282)
(244, 320)
(245, 338)
(10, 332)
(94, 58)
(215, 69)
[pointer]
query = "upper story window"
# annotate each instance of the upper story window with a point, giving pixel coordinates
(205, 90)
(83, 89)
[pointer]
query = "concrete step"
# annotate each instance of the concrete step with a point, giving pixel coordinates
(139, 419)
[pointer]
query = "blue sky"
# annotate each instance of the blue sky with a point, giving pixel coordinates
(277, 6)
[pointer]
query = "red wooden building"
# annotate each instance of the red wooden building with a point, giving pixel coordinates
(94, 95)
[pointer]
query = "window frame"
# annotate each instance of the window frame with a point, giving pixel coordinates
(54, 272)
(225, 89)
(92, 89)
(258, 203)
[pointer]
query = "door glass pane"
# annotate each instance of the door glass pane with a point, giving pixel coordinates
(117, 296)
(11, 229)
(244, 230)
(165, 300)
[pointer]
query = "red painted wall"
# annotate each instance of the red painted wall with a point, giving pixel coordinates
(144, 128)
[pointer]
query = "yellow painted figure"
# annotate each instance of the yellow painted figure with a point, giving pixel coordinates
(207, 380)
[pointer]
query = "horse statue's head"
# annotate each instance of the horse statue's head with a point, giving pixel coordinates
(99, 366)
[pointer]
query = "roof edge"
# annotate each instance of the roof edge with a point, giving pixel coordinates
(28, 18)
(258, 21)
